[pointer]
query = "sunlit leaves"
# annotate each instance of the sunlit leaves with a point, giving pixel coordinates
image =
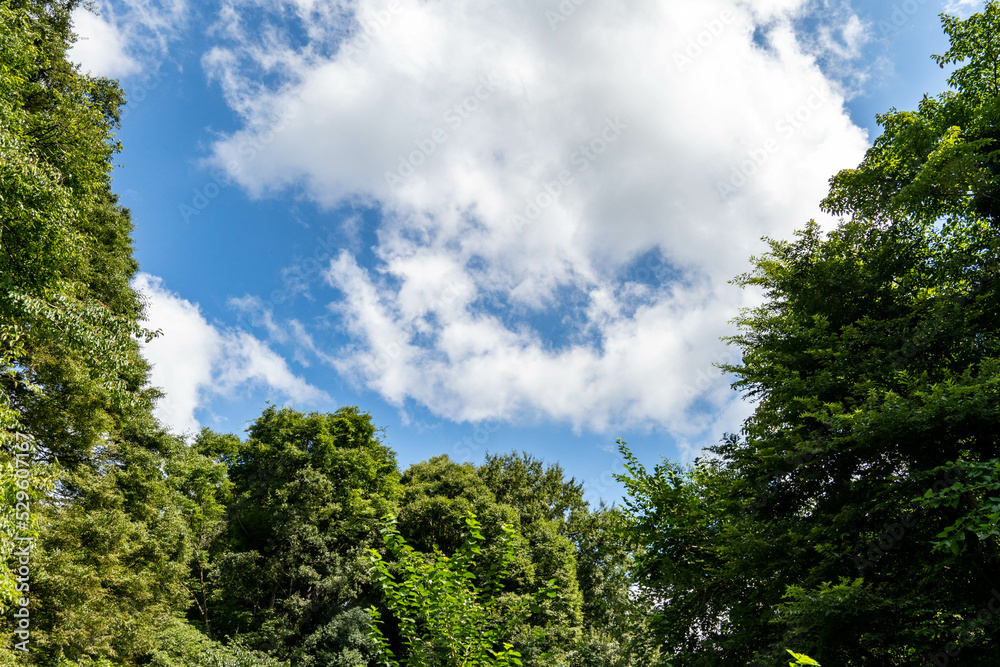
(445, 618)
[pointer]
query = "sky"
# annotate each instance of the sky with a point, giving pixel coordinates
(494, 225)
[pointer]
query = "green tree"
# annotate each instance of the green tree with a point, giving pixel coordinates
(874, 368)
(111, 550)
(536, 490)
(683, 525)
(435, 496)
(615, 620)
(181, 645)
(199, 475)
(592, 620)
(438, 493)
(307, 494)
(109, 569)
(68, 317)
(444, 618)
(612, 626)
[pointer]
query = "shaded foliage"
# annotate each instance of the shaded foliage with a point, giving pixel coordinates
(307, 493)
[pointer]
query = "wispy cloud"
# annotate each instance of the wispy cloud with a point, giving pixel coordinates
(195, 361)
(120, 39)
(963, 7)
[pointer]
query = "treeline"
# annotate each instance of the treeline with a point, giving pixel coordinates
(149, 550)
(855, 517)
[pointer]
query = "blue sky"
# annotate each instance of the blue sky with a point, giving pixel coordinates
(507, 224)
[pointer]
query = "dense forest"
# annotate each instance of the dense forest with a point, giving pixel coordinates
(854, 518)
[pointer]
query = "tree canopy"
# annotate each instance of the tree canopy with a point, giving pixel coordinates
(853, 519)
(851, 516)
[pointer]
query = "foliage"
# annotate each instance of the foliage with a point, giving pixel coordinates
(616, 620)
(200, 478)
(537, 491)
(444, 617)
(112, 547)
(801, 659)
(346, 641)
(113, 555)
(182, 645)
(435, 496)
(680, 517)
(855, 515)
(978, 485)
(67, 260)
(152, 550)
(439, 493)
(939, 162)
(873, 366)
(21, 485)
(307, 493)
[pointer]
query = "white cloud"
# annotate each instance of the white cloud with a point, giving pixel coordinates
(195, 361)
(962, 7)
(839, 45)
(120, 38)
(523, 164)
(101, 46)
(292, 331)
(846, 40)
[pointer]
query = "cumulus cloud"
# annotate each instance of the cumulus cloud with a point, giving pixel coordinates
(531, 162)
(195, 361)
(116, 39)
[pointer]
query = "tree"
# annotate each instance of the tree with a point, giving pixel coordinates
(444, 618)
(539, 492)
(307, 494)
(109, 569)
(875, 371)
(616, 630)
(612, 628)
(592, 620)
(73, 385)
(68, 317)
(181, 645)
(438, 493)
(199, 475)
(682, 523)
(435, 496)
